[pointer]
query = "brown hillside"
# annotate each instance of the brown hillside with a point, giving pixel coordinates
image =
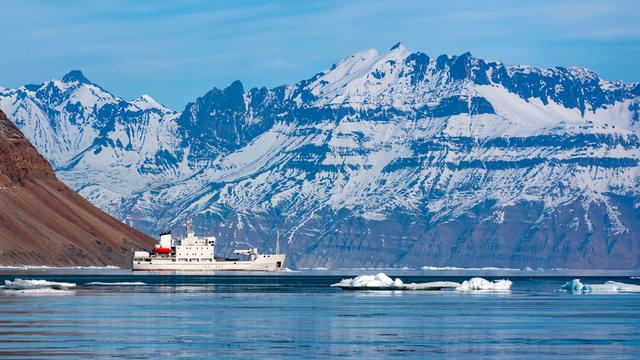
(43, 222)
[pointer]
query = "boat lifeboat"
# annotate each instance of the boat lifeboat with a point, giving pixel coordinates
(163, 250)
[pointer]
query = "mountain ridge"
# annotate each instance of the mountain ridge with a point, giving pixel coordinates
(375, 137)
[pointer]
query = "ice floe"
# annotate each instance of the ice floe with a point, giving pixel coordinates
(370, 281)
(383, 282)
(20, 284)
(480, 284)
(610, 287)
(36, 287)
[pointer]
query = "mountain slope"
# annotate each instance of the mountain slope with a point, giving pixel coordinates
(385, 159)
(44, 222)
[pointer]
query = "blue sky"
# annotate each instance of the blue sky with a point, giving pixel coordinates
(178, 50)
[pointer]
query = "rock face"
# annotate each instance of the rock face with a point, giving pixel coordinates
(390, 158)
(43, 222)
(20, 162)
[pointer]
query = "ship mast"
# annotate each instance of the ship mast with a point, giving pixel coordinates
(188, 225)
(277, 242)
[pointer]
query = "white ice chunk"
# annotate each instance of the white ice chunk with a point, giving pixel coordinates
(480, 284)
(610, 287)
(20, 284)
(382, 281)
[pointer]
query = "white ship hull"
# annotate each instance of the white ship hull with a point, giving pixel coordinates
(262, 262)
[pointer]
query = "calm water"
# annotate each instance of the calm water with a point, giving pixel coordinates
(299, 315)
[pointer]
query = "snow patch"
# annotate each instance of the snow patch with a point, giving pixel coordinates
(498, 216)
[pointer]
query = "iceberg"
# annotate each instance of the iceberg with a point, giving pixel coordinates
(480, 284)
(610, 287)
(383, 282)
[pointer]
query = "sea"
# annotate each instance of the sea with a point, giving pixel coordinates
(116, 313)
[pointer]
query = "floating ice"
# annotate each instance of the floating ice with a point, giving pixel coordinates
(610, 287)
(123, 283)
(20, 284)
(434, 285)
(36, 287)
(369, 281)
(382, 282)
(480, 284)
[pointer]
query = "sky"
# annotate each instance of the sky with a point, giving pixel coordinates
(176, 51)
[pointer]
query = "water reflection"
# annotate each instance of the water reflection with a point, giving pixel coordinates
(294, 316)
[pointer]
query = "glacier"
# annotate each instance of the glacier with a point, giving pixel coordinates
(385, 159)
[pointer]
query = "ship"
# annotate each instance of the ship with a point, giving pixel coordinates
(194, 253)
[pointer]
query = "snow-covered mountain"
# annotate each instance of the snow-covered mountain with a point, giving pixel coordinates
(384, 159)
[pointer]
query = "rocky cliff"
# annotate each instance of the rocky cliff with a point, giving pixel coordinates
(43, 222)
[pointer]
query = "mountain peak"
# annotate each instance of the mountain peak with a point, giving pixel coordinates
(146, 102)
(235, 87)
(75, 76)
